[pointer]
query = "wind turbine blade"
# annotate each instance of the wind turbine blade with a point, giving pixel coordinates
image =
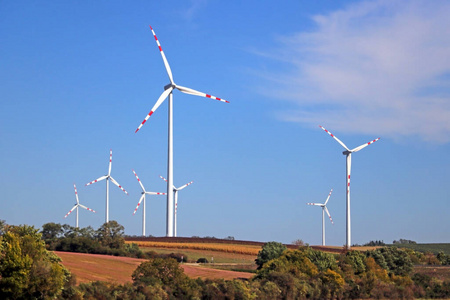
(166, 181)
(328, 198)
(76, 193)
(70, 211)
(155, 193)
(81, 205)
(318, 204)
(364, 145)
(142, 186)
(329, 216)
(182, 187)
(110, 161)
(166, 63)
(197, 93)
(157, 104)
(116, 183)
(140, 200)
(338, 140)
(96, 180)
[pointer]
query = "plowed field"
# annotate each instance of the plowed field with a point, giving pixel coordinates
(92, 267)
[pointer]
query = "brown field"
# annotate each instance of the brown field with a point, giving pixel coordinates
(93, 267)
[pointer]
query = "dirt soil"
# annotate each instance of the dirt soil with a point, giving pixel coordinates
(92, 267)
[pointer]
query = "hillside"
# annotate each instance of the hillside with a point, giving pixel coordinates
(93, 267)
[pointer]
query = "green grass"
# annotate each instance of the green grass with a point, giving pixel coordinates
(433, 248)
(194, 255)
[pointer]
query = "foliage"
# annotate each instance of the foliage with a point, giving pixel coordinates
(395, 260)
(27, 269)
(404, 241)
(322, 260)
(269, 251)
(375, 243)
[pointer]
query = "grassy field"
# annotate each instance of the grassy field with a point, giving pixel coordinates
(433, 248)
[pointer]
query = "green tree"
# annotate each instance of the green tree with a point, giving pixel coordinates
(27, 269)
(111, 235)
(164, 271)
(269, 251)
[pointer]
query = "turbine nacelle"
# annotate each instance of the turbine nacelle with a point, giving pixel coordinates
(346, 152)
(170, 85)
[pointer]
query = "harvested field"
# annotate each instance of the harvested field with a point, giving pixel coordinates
(93, 267)
(220, 247)
(218, 257)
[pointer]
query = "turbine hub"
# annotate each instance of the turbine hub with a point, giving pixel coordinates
(346, 152)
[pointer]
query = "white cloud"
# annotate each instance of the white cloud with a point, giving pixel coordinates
(375, 67)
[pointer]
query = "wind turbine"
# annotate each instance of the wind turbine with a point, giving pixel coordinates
(348, 153)
(324, 209)
(144, 192)
(175, 195)
(77, 205)
(108, 177)
(168, 89)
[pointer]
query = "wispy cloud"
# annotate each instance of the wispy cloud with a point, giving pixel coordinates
(193, 9)
(375, 67)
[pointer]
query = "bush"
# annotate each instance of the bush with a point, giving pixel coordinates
(268, 252)
(202, 260)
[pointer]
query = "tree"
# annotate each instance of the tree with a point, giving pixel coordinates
(111, 234)
(165, 271)
(27, 269)
(268, 252)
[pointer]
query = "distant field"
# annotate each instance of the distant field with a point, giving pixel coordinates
(433, 248)
(216, 256)
(218, 247)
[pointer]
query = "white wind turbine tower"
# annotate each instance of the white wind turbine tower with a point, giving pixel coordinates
(108, 177)
(324, 209)
(144, 192)
(348, 153)
(77, 205)
(168, 89)
(175, 195)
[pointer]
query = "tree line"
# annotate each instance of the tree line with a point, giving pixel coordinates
(29, 271)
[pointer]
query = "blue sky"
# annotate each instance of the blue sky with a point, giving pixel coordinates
(77, 78)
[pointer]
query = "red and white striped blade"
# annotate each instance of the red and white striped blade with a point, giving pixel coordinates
(155, 107)
(318, 204)
(349, 170)
(364, 145)
(70, 211)
(329, 216)
(116, 183)
(81, 205)
(142, 186)
(97, 180)
(155, 193)
(76, 193)
(328, 198)
(140, 200)
(338, 140)
(166, 63)
(110, 161)
(182, 187)
(166, 181)
(197, 93)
